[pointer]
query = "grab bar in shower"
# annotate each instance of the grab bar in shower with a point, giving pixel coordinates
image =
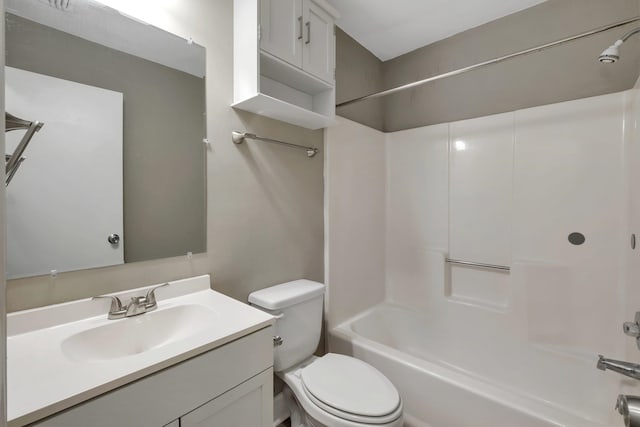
(13, 161)
(478, 264)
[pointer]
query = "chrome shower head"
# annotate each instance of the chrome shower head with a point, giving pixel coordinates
(611, 54)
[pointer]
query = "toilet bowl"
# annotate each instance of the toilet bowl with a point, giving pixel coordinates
(329, 391)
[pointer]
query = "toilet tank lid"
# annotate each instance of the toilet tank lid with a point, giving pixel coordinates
(287, 294)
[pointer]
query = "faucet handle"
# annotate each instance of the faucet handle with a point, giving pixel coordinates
(601, 363)
(151, 296)
(116, 304)
(632, 329)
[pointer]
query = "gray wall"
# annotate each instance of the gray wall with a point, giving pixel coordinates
(358, 73)
(264, 202)
(559, 74)
(164, 176)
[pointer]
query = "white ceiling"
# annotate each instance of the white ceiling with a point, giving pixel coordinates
(390, 28)
(94, 21)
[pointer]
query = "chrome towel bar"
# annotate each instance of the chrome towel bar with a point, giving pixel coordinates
(478, 264)
(239, 137)
(13, 161)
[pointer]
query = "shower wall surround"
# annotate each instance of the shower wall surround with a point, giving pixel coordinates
(480, 207)
(354, 218)
(631, 262)
(506, 189)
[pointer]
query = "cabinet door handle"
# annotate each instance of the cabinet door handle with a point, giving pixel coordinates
(308, 24)
(299, 27)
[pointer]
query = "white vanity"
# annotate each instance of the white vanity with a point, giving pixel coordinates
(199, 359)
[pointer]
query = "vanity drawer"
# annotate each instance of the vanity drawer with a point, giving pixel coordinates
(161, 398)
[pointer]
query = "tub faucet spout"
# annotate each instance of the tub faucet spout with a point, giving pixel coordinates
(627, 369)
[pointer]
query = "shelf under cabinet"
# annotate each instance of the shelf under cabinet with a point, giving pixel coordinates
(290, 94)
(283, 72)
(278, 109)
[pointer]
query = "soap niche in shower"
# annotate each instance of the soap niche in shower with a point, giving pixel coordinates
(477, 286)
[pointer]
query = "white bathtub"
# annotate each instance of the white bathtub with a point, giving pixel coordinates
(448, 378)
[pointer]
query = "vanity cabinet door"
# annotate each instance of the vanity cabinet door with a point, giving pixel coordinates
(248, 405)
(281, 29)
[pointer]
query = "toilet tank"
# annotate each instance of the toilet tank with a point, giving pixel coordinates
(297, 306)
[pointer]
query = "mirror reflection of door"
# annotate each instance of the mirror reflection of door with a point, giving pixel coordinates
(66, 199)
(160, 78)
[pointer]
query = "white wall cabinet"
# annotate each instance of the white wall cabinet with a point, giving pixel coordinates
(231, 386)
(284, 66)
(301, 33)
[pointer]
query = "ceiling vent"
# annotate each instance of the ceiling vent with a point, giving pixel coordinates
(58, 4)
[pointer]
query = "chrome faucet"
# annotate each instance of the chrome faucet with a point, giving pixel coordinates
(137, 305)
(627, 369)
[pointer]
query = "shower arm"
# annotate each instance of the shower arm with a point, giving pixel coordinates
(629, 34)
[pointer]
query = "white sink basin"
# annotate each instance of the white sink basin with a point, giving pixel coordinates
(62, 355)
(134, 335)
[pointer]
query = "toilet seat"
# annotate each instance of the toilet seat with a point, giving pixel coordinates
(351, 389)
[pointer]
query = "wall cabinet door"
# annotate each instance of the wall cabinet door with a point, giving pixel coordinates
(301, 33)
(319, 42)
(249, 404)
(281, 25)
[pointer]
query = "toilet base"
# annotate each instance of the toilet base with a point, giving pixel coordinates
(298, 417)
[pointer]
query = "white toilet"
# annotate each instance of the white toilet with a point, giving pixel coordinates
(328, 391)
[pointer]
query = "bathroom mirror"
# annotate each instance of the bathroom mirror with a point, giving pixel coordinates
(117, 172)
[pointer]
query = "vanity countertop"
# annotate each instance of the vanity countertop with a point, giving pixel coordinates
(47, 372)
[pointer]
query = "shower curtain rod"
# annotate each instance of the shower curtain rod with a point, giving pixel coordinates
(489, 62)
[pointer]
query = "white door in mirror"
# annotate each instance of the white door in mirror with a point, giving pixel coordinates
(66, 199)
